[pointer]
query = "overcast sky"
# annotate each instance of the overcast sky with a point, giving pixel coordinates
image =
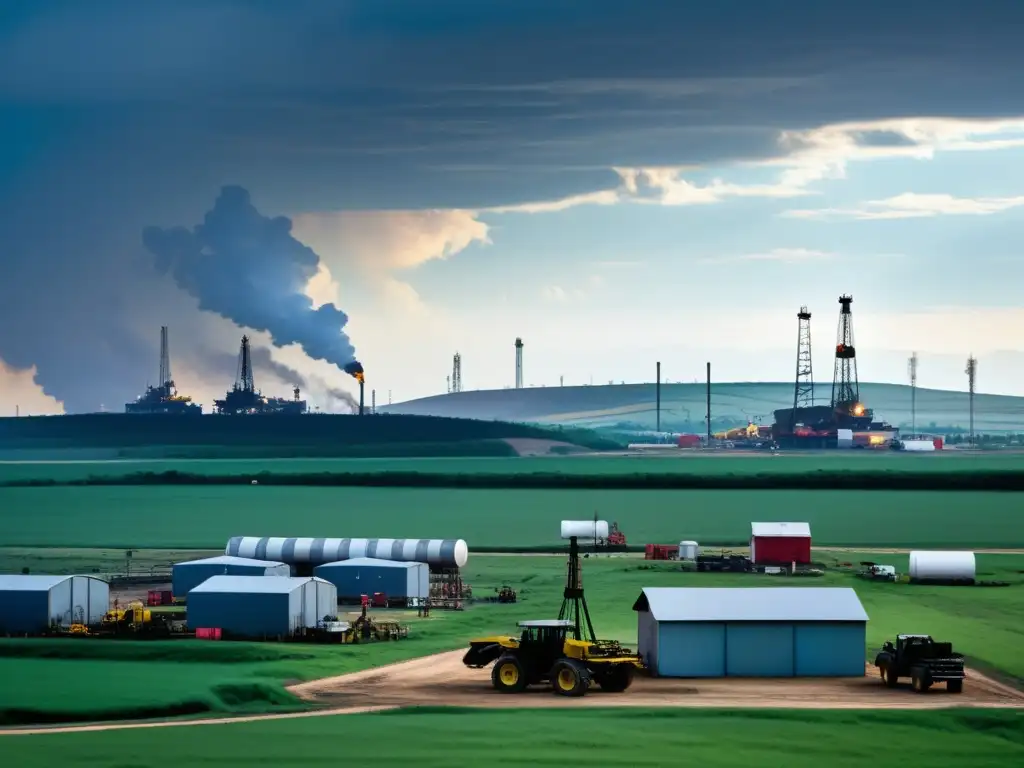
(615, 182)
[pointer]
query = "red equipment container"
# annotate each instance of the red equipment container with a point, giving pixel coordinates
(380, 600)
(159, 597)
(937, 442)
(208, 633)
(661, 552)
(688, 441)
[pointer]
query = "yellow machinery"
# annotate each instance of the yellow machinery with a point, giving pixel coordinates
(133, 615)
(545, 653)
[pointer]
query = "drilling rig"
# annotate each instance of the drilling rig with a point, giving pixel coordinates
(244, 398)
(163, 398)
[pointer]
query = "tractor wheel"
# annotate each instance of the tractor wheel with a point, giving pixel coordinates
(509, 674)
(955, 686)
(889, 676)
(570, 678)
(615, 679)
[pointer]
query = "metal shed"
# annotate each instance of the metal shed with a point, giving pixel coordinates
(752, 632)
(190, 574)
(366, 575)
(780, 543)
(257, 606)
(31, 603)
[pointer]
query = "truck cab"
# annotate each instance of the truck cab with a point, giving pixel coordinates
(923, 660)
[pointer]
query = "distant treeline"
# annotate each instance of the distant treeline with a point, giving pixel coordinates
(994, 480)
(290, 432)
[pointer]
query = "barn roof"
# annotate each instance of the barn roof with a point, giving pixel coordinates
(780, 529)
(751, 604)
(254, 584)
(29, 582)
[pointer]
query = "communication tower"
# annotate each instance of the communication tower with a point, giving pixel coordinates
(456, 385)
(519, 363)
(972, 373)
(912, 370)
(845, 388)
(803, 393)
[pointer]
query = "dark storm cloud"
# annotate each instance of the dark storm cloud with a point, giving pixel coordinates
(115, 115)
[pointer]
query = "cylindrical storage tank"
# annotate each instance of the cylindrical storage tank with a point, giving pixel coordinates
(585, 529)
(688, 550)
(443, 553)
(942, 566)
(919, 445)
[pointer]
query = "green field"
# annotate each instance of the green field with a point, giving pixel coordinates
(90, 679)
(627, 738)
(205, 517)
(694, 464)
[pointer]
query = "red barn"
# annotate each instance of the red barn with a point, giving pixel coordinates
(780, 543)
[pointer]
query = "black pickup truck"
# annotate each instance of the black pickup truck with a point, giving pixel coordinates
(923, 660)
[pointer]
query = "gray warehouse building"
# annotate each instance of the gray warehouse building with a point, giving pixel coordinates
(400, 581)
(257, 606)
(752, 632)
(31, 603)
(188, 575)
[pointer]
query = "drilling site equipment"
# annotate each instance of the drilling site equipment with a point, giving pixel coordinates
(163, 398)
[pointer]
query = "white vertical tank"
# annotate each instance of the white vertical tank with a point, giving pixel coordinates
(942, 566)
(585, 529)
(688, 550)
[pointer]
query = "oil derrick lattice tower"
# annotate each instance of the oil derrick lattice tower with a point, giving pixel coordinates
(519, 363)
(803, 392)
(845, 388)
(243, 379)
(574, 603)
(166, 380)
(243, 397)
(456, 385)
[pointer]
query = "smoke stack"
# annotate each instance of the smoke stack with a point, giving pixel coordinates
(361, 386)
(709, 404)
(657, 399)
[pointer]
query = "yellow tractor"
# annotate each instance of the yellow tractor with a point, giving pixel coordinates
(133, 616)
(544, 653)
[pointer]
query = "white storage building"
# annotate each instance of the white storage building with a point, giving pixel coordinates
(258, 606)
(29, 604)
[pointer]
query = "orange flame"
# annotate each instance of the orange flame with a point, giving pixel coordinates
(359, 377)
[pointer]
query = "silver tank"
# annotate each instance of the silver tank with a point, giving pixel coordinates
(443, 553)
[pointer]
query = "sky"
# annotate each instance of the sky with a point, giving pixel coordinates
(395, 181)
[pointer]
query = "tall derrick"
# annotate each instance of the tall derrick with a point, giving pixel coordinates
(845, 387)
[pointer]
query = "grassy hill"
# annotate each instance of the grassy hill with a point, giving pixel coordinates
(683, 405)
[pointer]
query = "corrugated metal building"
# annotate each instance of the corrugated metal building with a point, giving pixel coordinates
(366, 575)
(257, 606)
(188, 575)
(752, 632)
(31, 603)
(780, 543)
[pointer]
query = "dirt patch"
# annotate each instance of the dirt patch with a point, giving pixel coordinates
(529, 446)
(443, 680)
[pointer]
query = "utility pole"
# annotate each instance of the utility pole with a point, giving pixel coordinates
(912, 368)
(708, 416)
(657, 399)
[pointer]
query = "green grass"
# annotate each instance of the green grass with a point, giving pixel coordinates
(93, 677)
(205, 517)
(629, 738)
(703, 464)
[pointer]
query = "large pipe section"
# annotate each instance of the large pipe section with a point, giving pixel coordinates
(942, 566)
(443, 553)
(585, 529)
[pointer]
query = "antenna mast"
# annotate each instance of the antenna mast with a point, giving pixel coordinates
(456, 385)
(972, 373)
(912, 370)
(845, 387)
(519, 363)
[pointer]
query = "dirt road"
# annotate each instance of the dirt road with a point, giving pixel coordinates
(442, 679)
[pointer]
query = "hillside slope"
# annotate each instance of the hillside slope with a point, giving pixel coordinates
(683, 405)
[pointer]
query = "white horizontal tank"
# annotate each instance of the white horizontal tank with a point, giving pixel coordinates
(918, 445)
(942, 566)
(585, 529)
(688, 550)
